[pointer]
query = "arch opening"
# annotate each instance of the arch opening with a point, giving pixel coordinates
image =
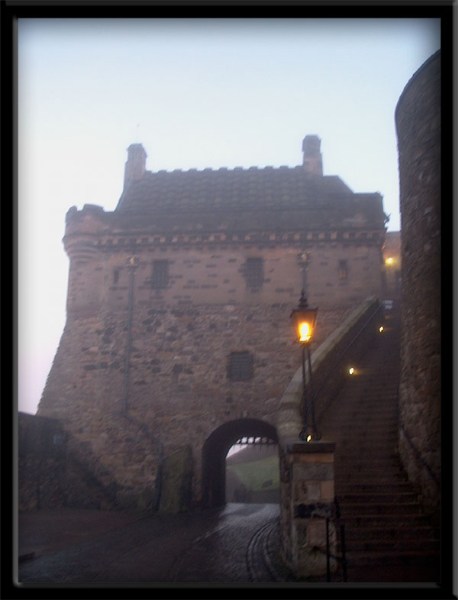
(247, 482)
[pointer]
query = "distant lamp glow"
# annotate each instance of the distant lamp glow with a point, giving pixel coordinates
(381, 329)
(351, 371)
(309, 438)
(389, 261)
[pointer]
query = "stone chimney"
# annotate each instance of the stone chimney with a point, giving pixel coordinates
(135, 165)
(312, 161)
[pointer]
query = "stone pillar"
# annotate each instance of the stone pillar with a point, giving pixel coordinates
(308, 501)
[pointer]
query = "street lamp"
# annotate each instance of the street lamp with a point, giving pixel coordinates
(304, 319)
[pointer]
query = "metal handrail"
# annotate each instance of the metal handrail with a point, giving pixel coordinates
(342, 559)
(343, 550)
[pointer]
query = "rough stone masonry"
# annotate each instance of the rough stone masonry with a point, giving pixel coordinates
(178, 311)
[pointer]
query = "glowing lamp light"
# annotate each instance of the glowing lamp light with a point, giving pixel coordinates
(381, 329)
(389, 261)
(304, 319)
(304, 332)
(351, 371)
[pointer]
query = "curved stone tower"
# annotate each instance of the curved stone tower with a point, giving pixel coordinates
(418, 123)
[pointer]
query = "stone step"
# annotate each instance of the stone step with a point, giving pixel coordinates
(371, 384)
(345, 487)
(359, 558)
(405, 574)
(368, 478)
(378, 498)
(366, 472)
(350, 431)
(377, 469)
(349, 460)
(357, 405)
(362, 510)
(381, 441)
(383, 444)
(354, 460)
(366, 455)
(384, 520)
(363, 417)
(360, 446)
(353, 430)
(377, 545)
(354, 433)
(400, 532)
(357, 411)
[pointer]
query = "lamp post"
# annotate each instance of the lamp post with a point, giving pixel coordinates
(304, 319)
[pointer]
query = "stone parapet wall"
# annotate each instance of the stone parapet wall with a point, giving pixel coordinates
(329, 363)
(418, 123)
(307, 469)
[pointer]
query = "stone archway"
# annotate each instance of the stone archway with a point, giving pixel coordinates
(214, 453)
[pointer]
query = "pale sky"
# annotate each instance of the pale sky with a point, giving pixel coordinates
(197, 94)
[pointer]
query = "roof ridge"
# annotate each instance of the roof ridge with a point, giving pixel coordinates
(226, 169)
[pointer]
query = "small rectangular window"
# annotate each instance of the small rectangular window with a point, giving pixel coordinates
(343, 270)
(254, 272)
(160, 275)
(240, 366)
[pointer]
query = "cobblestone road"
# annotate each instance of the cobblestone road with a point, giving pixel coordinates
(235, 544)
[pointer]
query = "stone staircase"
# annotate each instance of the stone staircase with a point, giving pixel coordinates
(387, 536)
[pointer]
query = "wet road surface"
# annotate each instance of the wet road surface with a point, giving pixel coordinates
(237, 543)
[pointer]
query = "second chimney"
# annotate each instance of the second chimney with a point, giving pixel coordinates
(135, 165)
(312, 161)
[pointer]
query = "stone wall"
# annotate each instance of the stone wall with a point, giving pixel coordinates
(128, 406)
(41, 463)
(51, 474)
(418, 122)
(341, 271)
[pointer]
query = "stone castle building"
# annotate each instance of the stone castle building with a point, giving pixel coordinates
(178, 338)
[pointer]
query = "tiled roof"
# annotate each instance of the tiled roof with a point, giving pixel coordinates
(240, 199)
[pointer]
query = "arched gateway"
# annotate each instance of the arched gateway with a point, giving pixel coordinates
(214, 453)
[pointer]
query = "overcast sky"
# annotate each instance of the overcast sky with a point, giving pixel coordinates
(196, 94)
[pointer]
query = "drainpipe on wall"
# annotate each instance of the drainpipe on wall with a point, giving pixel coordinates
(132, 265)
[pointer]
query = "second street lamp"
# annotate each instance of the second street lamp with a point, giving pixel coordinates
(304, 319)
